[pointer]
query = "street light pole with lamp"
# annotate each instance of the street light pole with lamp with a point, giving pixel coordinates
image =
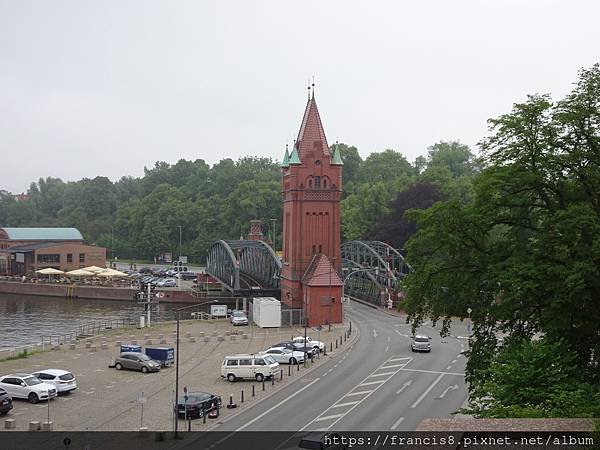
(178, 311)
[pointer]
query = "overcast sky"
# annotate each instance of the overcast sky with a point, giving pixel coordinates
(108, 87)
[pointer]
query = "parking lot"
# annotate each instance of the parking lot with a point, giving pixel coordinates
(108, 399)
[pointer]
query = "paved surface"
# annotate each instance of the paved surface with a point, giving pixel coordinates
(107, 399)
(379, 384)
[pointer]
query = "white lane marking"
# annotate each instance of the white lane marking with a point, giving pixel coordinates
(374, 333)
(449, 388)
(392, 366)
(427, 391)
(449, 367)
(433, 371)
(381, 374)
(372, 382)
(453, 361)
(404, 358)
(339, 405)
(387, 347)
(402, 334)
(260, 416)
(334, 416)
(404, 386)
(367, 394)
(389, 338)
(396, 423)
(359, 393)
(88, 392)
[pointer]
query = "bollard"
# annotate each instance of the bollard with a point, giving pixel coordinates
(88, 344)
(350, 330)
(72, 346)
(336, 344)
(312, 358)
(231, 404)
(330, 347)
(325, 350)
(281, 374)
(298, 366)
(263, 384)
(289, 371)
(201, 334)
(345, 336)
(242, 396)
(46, 426)
(9, 424)
(253, 391)
(34, 426)
(104, 346)
(148, 341)
(189, 424)
(118, 343)
(188, 334)
(204, 417)
(206, 339)
(272, 380)
(192, 339)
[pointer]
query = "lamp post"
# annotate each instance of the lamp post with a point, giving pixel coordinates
(178, 311)
(112, 243)
(179, 255)
(469, 311)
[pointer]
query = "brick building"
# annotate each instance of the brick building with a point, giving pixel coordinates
(312, 185)
(25, 250)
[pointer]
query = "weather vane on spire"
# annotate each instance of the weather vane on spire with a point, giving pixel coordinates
(313, 87)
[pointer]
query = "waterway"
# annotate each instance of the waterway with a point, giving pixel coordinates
(24, 320)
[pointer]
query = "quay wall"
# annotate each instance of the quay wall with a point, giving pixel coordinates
(89, 292)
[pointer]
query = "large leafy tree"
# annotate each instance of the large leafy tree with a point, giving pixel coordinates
(524, 252)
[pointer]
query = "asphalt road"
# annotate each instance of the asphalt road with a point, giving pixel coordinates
(378, 384)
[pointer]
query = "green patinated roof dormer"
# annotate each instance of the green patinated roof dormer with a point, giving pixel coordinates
(336, 160)
(295, 158)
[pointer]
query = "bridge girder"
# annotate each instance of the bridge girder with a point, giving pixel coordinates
(372, 267)
(236, 263)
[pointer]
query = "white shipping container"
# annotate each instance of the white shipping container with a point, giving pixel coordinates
(266, 312)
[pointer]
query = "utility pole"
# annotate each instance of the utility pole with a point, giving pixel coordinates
(273, 223)
(179, 226)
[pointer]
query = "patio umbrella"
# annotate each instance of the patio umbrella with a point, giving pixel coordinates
(111, 273)
(93, 269)
(80, 273)
(49, 271)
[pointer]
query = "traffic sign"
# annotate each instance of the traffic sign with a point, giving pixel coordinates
(141, 399)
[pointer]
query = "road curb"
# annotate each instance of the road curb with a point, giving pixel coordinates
(242, 409)
(378, 308)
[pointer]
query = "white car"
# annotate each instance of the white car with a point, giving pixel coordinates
(25, 385)
(285, 356)
(63, 381)
(420, 343)
(239, 318)
(317, 345)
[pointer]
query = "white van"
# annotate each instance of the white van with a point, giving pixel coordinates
(258, 367)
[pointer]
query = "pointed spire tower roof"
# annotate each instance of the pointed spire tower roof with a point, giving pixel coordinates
(336, 160)
(311, 136)
(286, 158)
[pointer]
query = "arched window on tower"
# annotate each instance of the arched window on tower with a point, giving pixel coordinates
(325, 184)
(317, 182)
(310, 184)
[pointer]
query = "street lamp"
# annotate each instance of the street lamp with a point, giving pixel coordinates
(273, 223)
(178, 311)
(179, 226)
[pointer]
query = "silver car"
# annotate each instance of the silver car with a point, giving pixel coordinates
(420, 343)
(239, 318)
(135, 361)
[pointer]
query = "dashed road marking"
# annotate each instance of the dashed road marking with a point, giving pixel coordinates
(334, 416)
(433, 371)
(341, 405)
(427, 391)
(372, 382)
(359, 393)
(453, 361)
(396, 423)
(449, 367)
(381, 374)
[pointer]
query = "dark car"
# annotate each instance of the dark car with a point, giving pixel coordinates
(295, 347)
(197, 404)
(5, 402)
(322, 441)
(187, 275)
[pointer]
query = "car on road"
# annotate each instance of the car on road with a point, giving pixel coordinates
(135, 361)
(64, 381)
(317, 345)
(5, 402)
(290, 345)
(420, 343)
(239, 318)
(197, 404)
(322, 441)
(285, 356)
(25, 385)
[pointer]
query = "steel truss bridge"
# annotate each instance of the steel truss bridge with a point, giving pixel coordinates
(251, 268)
(371, 268)
(245, 267)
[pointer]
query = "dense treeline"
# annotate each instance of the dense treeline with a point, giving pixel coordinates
(141, 217)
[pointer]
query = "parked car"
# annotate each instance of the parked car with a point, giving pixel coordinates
(249, 366)
(284, 355)
(317, 345)
(5, 402)
(239, 318)
(135, 361)
(322, 441)
(170, 272)
(290, 345)
(197, 404)
(169, 282)
(64, 381)
(25, 385)
(186, 275)
(420, 343)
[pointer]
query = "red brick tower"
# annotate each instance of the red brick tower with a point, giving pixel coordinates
(312, 184)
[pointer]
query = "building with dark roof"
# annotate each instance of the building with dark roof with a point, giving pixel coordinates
(25, 250)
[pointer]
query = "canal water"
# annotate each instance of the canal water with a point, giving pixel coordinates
(24, 320)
